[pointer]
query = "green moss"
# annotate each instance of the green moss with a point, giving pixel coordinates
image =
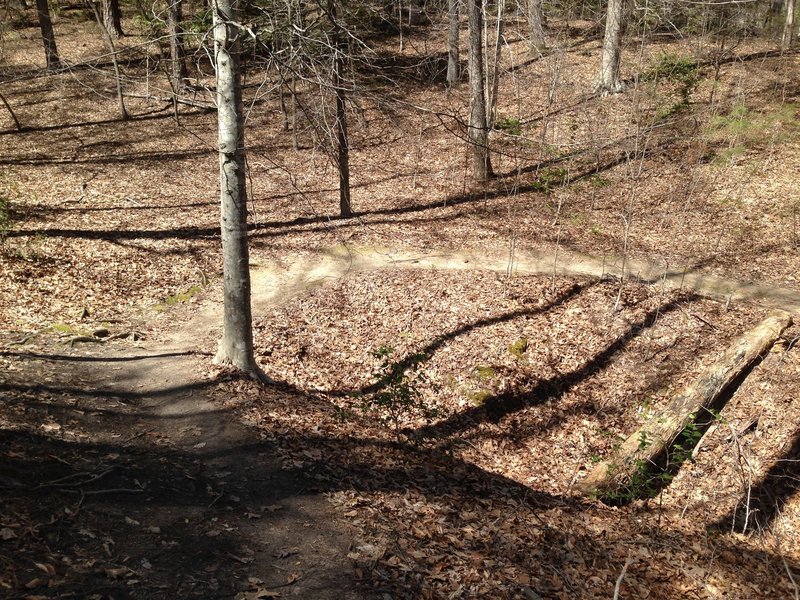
(479, 398)
(519, 347)
(64, 329)
(484, 373)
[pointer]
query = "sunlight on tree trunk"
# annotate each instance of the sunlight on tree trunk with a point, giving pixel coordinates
(453, 59)
(123, 112)
(609, 82)
(342, 143)
(236, 345)
(538, 41)
(788, 28)
(478, 128)
(48, 35)
(112, 18)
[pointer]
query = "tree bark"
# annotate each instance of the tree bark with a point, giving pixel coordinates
(112, 18)
(177, 53)
(478, 131)
(655, 437)
(538, 41)
(342, 143)
(48, 35)
(491, 101)
(236, 345)
(788, 27)
(453, 59)
(609, 82)
(123, 112)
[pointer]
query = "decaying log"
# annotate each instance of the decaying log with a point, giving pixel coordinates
(655, 437)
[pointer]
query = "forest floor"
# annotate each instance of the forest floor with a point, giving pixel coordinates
(537, 320)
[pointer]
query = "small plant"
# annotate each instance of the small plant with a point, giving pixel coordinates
(509, 125)
(399, 394)
(672, 67)
(549, 178)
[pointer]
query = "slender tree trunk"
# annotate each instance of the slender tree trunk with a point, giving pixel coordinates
(236, 345)
(453, 60)
(478, 127)
(177, 53)
(48, 36)
(342, 143)
(491, 103)
(788, 28)
(123, 112)
(112, 18)
(295, 140)
(536, 27)
(609, 82)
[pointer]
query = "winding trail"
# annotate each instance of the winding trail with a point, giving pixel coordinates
(272, 284)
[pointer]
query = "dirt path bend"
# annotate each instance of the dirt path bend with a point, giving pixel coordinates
(273, 284)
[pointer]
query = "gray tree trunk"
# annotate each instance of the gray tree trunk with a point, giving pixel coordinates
(788, 27)
(478, 130)
(453, 59)
(236, 345)
(342, 143)
(123, 112)
(177, 53)
(48, 36)
(112, 18)
(609, 82)
(536, 27)
(493, 88)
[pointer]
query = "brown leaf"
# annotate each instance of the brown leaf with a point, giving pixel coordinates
(47, 568)
(293, 577)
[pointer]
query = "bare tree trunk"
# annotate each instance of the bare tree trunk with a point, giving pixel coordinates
(236, 345)
(478, 130)
(48, 36)
(491, 103)
(123, 112)
(342, 143)
(177, 53)
(295, 140)
(112, 18)
(788, 28)
(536, 27)
(609, 82)
(453, 60)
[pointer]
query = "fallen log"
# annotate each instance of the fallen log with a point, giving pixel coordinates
(617, 477)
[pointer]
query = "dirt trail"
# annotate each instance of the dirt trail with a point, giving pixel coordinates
(272, 285)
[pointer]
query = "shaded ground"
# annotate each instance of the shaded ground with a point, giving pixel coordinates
(121, 478)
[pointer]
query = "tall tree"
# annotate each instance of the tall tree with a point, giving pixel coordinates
(538, 41)
(478, 130)
(123, 112)
(453, 59)
(339, 44)
(112, 18)
(788, 27)
(48, 36)
(608, 82)
(236, 345)
(177, 54)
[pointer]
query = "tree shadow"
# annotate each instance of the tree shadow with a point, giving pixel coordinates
(499, 406)
(763, 503)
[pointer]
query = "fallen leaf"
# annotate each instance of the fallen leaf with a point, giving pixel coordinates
(7, 534)
(293, 577)
(47, 568)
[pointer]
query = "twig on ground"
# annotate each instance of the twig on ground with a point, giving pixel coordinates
(618, 585)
